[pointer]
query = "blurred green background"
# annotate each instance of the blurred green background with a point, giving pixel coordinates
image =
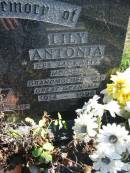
(126, 53)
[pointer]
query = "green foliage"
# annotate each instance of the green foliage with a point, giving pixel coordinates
(43, 154)
(46, 157)
(37, 152)
(125, 59)
(60, 123)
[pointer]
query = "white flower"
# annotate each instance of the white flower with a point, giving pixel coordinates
(113, 138)
(127, 72)
(113, 107)
(23, 130)
(129, 122)
(85, 127)
(128, 143)
(122, 75)
(103, 149)
(92, 108)
(126, 167)
(106, 97)
(105, 164)
(92, 102)
(127, 107)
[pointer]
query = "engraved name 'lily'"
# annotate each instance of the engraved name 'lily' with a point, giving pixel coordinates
(41, 10)
(63, 38)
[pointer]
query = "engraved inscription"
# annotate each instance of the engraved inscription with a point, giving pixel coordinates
(68, 95)
(73, 72)
(20, 107)
(66, 63)
(93, 51)
(42, 10)
(63, 38)
(68, 72)
(69, 60)
(54, 81)
(65, 80)
(63, 88)
(10, 101)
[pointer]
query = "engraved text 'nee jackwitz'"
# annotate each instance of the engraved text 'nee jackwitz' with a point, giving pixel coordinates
(41, 10)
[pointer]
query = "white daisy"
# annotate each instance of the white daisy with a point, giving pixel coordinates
(106, 97)
(126, 167)
(85, 127)
(102, 149)
(128, 144)
(92, 108)
(105, 164)
(113, 107)
(113, 138)
(121, 75)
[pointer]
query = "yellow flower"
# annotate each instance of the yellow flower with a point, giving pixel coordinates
(109, 89)
(120, 88)
(125, 77)
(120, 83)
(125, 97)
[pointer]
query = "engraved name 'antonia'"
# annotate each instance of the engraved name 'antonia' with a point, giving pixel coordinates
(93, 51)
(41, 10)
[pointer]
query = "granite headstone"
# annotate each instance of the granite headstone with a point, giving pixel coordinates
(55, 65)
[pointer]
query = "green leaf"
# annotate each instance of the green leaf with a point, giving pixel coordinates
(48, 146)
(60, 124)
(59, 116)
(46, 156)
(14, 133)
(37, 152)
(64, 124)
(56, 123)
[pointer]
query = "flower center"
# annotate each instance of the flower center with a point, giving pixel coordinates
(120, 84)
(106, 160)
(113, 139)
(83, 129)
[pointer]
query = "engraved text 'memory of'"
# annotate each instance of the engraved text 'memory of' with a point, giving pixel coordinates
(42, 10)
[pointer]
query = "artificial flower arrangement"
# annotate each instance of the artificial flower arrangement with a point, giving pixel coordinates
(111, 153)
(101, 139)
